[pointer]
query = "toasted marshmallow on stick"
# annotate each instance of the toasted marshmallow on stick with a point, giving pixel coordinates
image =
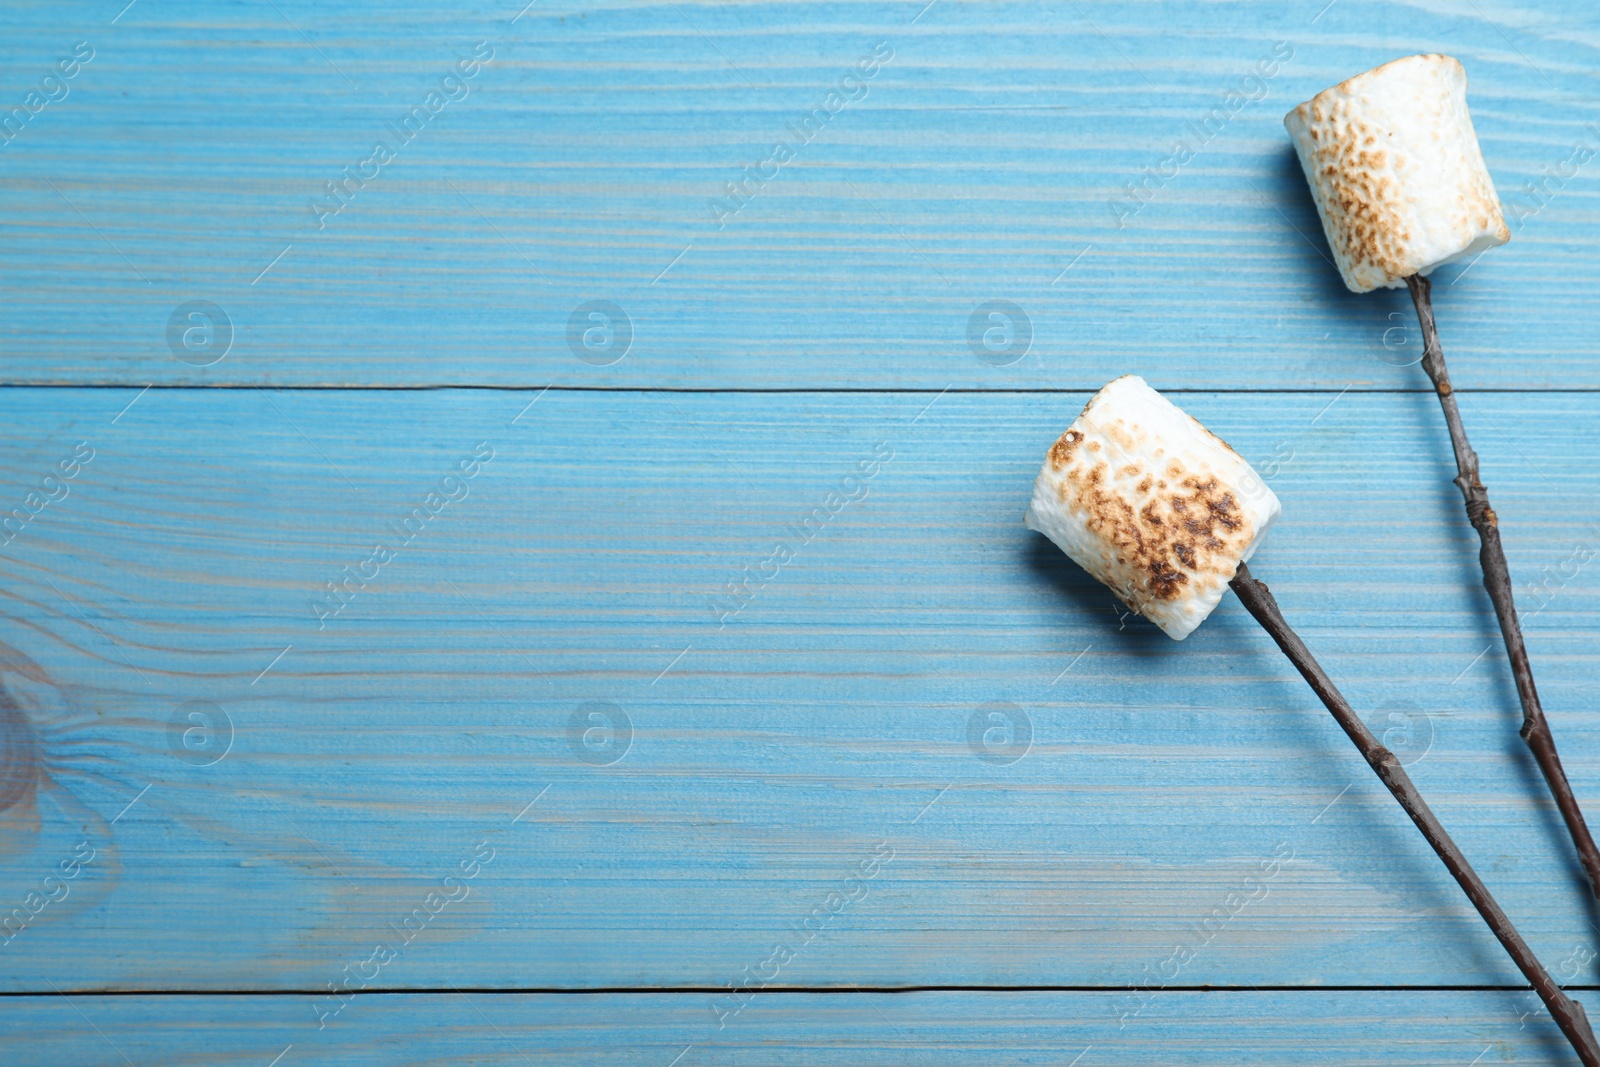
(1396, 171)
(1399, 180)
(1153, 504)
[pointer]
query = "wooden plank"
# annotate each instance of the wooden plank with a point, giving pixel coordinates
(844, 735)
(978, 164)
(1088, 1029)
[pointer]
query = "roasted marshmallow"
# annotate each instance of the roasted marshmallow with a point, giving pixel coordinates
(1152, 503)
(1396, 171)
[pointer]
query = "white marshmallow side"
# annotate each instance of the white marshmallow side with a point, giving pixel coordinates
(1396, 171)
(1153, 504)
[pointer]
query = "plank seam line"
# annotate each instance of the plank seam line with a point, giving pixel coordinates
(775, 390)
(770, 990)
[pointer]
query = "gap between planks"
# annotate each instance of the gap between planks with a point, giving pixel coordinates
(845, 991)
(776, 391)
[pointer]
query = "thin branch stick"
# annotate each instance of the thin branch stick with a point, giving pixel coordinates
(1567, 1012)
(1497, 580)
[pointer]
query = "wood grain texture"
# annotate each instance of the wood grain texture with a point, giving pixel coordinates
(537, 748)
(977, 164)
(847, 712)
(1415, 1029)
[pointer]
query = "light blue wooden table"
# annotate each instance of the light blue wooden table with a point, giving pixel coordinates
(573, 772)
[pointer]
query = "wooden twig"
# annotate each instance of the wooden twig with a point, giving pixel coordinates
(1568, 1013)
(1497, 580)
